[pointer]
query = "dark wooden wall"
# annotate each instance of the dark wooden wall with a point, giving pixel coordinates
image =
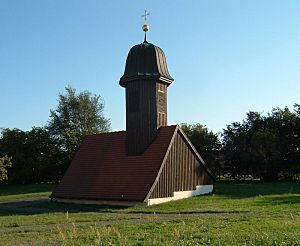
(146, 111)
(182, 171)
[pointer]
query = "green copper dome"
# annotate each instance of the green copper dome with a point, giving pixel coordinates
(146, 61)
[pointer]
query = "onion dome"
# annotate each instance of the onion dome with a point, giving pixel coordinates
(146, 61)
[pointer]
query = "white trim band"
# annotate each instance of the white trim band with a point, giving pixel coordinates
(200, 190)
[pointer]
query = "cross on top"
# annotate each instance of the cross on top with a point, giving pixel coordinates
(145, 15)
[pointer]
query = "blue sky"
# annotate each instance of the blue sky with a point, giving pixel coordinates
(227, 57)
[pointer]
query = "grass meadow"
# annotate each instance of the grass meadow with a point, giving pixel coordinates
(249, 213)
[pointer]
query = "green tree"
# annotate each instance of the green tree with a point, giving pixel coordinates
(265, 154)
(235, 151)
(45, 156)
(36, 157)
(76, 116)
(207, 144)
(13, 143)
(266, 147)
(286, 125)
(5, 162)
(297, 109)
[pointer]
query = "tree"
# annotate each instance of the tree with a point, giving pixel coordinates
(265, 154)
(5, 162)
(266, 147)
(235, 150)
(45, 155)
(76, 116)
(297, 136)
(207, 144)
(286, 125)
(13, 144)
(35, 155)
(297, 109)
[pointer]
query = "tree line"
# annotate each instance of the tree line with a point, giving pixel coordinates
(259, 147)
(44, 153)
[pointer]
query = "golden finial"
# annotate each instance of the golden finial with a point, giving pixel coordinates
(145, 26)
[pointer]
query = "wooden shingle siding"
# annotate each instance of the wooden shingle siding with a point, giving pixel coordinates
(182, 171)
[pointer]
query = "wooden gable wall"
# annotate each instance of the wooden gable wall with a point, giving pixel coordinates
(182, 170)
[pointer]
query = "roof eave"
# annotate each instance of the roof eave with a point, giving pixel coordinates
(124, 80)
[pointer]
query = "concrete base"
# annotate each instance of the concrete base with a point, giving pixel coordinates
(200, 190)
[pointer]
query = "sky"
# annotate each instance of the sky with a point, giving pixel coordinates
(227, 57)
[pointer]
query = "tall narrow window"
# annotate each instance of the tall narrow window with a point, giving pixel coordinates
(161, 88)
(134, 99)
(161, 102)
(162, 119)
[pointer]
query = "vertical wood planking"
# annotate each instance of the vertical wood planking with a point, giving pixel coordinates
(176, 163)
(141, 126)
(180, 172)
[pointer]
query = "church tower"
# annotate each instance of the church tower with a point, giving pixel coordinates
(146, 79)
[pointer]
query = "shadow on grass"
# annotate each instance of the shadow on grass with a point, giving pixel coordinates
(280, 200)
(44, 206)
(238, 190)
(6, 190)
(231, 190)
(40, 206)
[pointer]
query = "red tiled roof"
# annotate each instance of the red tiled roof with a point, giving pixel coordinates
(101, 170)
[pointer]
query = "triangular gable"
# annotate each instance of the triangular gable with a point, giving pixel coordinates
(196, 153)
(192, 149)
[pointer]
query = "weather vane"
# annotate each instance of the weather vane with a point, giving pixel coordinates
(145, 26)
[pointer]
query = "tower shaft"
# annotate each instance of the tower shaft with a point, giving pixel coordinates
(146, 111)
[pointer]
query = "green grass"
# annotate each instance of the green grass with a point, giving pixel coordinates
(237, 214)
(238, 197)
(14, 192)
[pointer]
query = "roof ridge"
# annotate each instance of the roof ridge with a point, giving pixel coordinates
(103, 133)
(168, 126)
(122, 131)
